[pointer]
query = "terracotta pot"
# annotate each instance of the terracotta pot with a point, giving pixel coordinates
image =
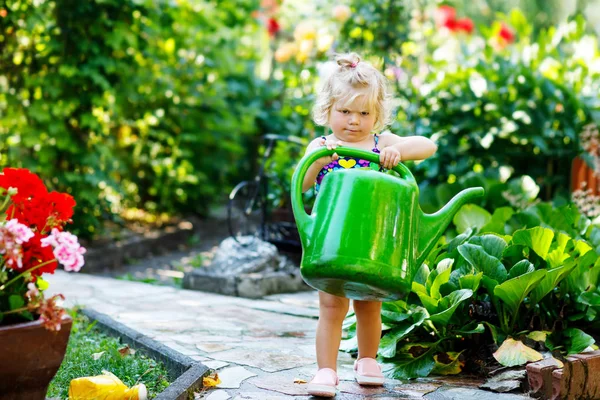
(30, 355)
(581, 173)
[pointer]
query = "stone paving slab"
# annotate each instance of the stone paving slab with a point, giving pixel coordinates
(259, 347)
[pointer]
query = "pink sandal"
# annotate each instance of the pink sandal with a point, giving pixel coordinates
(324, 383)
(368, 372)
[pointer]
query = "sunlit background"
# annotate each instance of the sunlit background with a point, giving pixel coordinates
(148, 109)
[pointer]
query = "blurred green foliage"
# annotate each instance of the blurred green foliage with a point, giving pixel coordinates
(492, 105)
(132, 102)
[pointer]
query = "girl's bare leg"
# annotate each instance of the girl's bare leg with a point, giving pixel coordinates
(332, 311)
(368, 327)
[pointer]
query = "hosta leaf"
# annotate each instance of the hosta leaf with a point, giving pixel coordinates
(471, 281)
(498, 221)
(492, 244)
(557, 255)
(589, 298)
(389, 342)
(471, 329)
(538, 336)
(412, 361)
(458, 240)
(585, 275)
(439, 280)
(513, 291)
(350, 344)
(393, 316)
(422, 274)
(448, 363)
(520, 268)
(471, 216)
(449, 304)
(514, 352)
(577, 341)
(482, 261)
(551, 280)
(538, 239)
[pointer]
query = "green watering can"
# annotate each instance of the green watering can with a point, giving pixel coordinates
(366, 235)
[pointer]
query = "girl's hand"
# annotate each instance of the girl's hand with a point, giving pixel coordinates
(389, 157)
(331, 145)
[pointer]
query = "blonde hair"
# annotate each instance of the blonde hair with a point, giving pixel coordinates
(354, 73)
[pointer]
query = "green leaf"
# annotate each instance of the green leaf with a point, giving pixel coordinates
(538, 239)
(470, 281)
(389, 342)
(551, 280)
(494, 332)
(520, 268)
(471, 216)
(513, 291)
(422, 274)
(577, 341)
(412, 361)
(449, 304)
(513, 352)
(439, 280)
(452, 367)
(350, 344)
(471, 329)
(499, 218)
(556, 256)
(492, 244)
(15, 301)
(482, 261)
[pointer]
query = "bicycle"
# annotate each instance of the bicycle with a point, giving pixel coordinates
(250, 210)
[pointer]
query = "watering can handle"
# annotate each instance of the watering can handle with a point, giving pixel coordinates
(306, 161)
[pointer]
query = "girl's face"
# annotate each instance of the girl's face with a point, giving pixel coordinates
(352, 122)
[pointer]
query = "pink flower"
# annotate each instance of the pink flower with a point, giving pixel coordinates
(67, 249)
(21, 232)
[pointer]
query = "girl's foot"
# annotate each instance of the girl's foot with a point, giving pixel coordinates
(368, 372)
(324, 383)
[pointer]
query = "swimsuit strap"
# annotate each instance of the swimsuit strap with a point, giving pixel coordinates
(376, 138)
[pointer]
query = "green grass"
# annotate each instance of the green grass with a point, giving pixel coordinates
(87, 340)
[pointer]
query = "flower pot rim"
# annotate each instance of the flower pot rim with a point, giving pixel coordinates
(32, 324)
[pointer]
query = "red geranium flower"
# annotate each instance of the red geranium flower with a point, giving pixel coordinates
(34, 254)
(28, 184)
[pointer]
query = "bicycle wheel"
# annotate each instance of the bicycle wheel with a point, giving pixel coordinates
(244, 211)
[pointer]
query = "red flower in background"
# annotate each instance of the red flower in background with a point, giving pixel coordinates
(465, 24)
(273, 26)
(506, 34)
(445, 16)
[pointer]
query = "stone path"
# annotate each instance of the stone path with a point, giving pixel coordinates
(258, 347)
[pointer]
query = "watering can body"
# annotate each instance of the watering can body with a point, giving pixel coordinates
(366, 234)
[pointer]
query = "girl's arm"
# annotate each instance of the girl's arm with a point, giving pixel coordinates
(315, 168)
(410, 147)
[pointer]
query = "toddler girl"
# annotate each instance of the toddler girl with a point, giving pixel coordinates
(354, 103)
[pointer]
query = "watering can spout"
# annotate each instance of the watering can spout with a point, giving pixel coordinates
(432, 226)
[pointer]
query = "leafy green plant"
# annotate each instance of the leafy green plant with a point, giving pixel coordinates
(505, 280)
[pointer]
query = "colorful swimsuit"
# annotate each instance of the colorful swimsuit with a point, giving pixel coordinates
(348, 163)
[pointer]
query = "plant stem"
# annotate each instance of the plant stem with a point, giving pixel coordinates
(15, 311)
(26, 271)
